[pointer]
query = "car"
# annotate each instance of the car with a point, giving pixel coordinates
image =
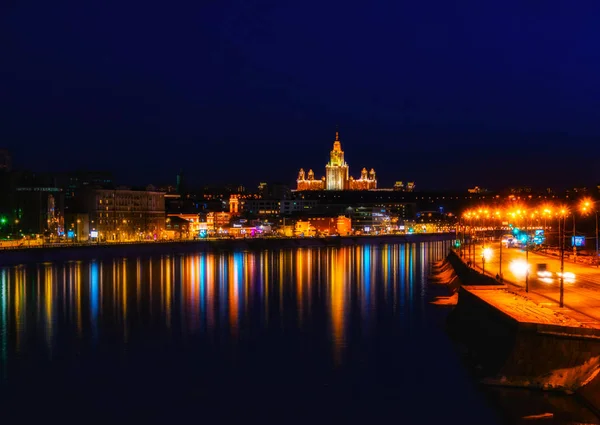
(509, 241)
(542, 271)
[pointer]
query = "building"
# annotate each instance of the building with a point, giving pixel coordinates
(337, 174)
(215, 221)
(77, 227)
(331, 225)
(308, 182)
(183, 225)
(304, 228)
(370, 219)
(477, 189)
(123, 214)
(5, 160)
(30, 204)
(296, 206)
(343, 225)
(408, 187)
(178, 227)
(274, 191)
(274, 207)
(37, 211)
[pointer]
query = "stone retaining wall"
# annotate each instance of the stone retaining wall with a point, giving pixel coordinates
(509, 352)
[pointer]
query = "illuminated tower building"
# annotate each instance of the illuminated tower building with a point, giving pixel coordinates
(336, 170)
(308, 182)
(336, 174)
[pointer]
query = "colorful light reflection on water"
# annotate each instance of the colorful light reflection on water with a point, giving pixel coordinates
(208, 291)
(318, 326)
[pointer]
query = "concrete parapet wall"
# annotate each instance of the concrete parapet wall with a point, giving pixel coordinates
(487, 333)
(467, 275)
(511, 352)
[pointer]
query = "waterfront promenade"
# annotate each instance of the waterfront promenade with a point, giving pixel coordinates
(525, 339)
(581, 281)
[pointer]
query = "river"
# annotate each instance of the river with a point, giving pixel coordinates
(289, 336)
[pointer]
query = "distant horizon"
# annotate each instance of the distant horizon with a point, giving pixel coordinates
(121, 180)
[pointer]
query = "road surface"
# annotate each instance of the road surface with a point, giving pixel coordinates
(581, 293)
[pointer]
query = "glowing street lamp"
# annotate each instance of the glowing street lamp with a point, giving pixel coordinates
(562, 213)
(587, 205)
(469, 216)
(546, 212)
(522, 213)
(486, 255)
(527, 230)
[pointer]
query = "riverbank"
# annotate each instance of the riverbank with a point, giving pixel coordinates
(89, 252)
(524, 340)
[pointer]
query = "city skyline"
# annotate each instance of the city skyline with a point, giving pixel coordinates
(286, 212)
(305, 180)
(258, 88)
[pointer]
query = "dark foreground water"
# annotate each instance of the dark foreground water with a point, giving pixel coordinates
(301, 336)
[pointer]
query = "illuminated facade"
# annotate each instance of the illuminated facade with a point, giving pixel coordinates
(123, 214)
(331, 225)
(308, 182)
(337, 176)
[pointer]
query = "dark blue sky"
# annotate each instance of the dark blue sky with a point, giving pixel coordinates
(448, 95)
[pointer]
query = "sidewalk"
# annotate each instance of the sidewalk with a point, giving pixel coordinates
(583, 260)
(546, 301)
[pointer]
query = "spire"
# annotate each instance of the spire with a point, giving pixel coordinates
(337, 145)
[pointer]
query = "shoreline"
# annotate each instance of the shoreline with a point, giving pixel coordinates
(88, 252)
(521, 340)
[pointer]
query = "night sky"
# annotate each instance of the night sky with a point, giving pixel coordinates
(447, 95)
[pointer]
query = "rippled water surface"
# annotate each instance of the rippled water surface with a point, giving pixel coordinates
(336, 334)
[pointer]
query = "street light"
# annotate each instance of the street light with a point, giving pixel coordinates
(499, 215)
(468, 215)
(527, 220)
(477, 216)
(586, 207)
(527, 230)
(562, 213)
(486, 254)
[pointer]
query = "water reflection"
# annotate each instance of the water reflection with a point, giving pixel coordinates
(181, 296)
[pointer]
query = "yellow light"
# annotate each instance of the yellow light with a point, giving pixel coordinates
(519, 267)
(586, 205)
(487, 253)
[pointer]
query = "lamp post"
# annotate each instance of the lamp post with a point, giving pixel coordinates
(526, 217)
(523, 215)
(500, 260)
(596, 213)
(528, 225)
(475, 241)
(527, 260)
(486, 254)
(464, 236)
(561, 233)
(574, 246)
(468, 216)
(483, 262)
(586, 206)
